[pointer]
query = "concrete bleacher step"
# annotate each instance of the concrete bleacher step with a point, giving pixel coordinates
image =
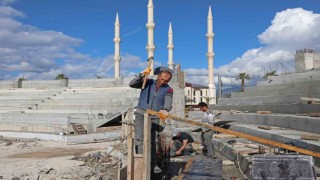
(310, 88)
(296, 108)
(291, 85)
(243, 152)
(277, 134)
(33, 123)
(302, 123)
(258, 100)
(292, 78)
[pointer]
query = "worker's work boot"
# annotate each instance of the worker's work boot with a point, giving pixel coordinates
(157, 170)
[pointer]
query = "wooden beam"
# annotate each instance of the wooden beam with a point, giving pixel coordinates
(264, 127)
(130, 166)
(310, 137)
(310, 100)
(241, 135)
(147, 147)
(186, 169)
(314, 114)
(263, 112)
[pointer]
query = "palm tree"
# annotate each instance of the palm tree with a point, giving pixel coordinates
(207, 98)
(243, 76)
(270, 73)
(61, 76)
(22, 79)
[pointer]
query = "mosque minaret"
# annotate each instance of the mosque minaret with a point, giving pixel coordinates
(170, 47)
(210, 56)
(150, 27)
(117, 41)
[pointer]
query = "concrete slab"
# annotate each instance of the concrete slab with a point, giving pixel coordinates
(204, 168)
(261, 100)
(292, 77)
(282, 167)
(279, 135)
(296, 108)
(65, 138)
(311, 88)
(302, 123)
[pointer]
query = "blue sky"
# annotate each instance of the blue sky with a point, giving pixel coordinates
(40, 38)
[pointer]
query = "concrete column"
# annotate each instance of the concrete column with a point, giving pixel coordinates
(64, 82)
(19, 83)
(170, 47)
(210, 56)
(150, 27)
(117, 47)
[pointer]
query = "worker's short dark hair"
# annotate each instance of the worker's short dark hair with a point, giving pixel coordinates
(165, 69)
(203, 104)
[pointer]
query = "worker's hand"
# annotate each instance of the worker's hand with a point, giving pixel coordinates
(146, 71)
(178, 152)
(163, 114)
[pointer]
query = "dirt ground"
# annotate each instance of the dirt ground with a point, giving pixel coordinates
(32, 159)
(39, 160)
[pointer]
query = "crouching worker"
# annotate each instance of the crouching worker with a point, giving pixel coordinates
(181, 144)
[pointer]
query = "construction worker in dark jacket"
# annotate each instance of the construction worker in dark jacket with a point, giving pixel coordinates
(157, 95)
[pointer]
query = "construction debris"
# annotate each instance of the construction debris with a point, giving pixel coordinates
(263, 112)
(307, 100)
(314, 114)
(223, 136)
(310, 137)
(264, 127)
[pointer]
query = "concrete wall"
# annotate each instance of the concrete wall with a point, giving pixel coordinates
(316, 61)
(307, 87)
(34, 123)
(107, 82)
(8, 84)
(301, 123)
(274, 108)
(41, 84)
(306, 59)
(292, 78)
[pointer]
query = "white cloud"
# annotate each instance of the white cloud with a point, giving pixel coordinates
(33, 53)
(8, 11)
(293, 28)
(290, 30)
(7, 2)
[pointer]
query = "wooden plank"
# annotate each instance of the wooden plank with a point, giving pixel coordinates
(263, 112)
(130, 163)
(309, 100)
(223, 136)
(314, 114)
(138, 166)
(264, 127)
(75, 129)
(310, 137)
(253, 146)
(241, 135)
(186, 169)
(147, 147)
(248, 151)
